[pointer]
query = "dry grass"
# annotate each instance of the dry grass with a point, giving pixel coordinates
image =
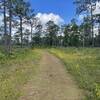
(84, 65)
(15, 71)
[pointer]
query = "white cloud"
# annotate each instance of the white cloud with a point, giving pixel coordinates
(44, 18)
(97, 9)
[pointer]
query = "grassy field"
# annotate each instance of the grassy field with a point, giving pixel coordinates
(84, 65)
(16, 70)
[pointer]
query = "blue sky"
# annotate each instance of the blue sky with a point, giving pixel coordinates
(63, 8)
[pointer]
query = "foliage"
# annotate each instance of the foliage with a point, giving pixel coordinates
(52, 31)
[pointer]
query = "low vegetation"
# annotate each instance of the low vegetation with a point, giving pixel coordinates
(16, 70)
(84, 65)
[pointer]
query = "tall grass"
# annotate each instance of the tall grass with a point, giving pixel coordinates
(84, 65)
(16, 70)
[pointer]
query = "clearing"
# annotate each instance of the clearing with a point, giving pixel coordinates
(51, 82)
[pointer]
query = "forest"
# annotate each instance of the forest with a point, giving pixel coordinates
(24, 41)
(20, 27)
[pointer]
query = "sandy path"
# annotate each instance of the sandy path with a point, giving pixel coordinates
(52, 82)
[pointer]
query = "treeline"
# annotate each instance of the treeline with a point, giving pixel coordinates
(21, 27)
(90, 9)
(70, 35)
(87, 34)
(16, 14)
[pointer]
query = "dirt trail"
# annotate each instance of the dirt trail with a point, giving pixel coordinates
(52, 82)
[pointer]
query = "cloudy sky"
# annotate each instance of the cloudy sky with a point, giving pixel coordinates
(59, 10)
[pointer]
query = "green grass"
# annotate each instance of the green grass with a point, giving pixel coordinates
(16, 70)
(84, 65)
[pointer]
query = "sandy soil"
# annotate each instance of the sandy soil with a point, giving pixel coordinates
(52, 82)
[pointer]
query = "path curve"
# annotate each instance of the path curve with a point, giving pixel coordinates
(52, 82)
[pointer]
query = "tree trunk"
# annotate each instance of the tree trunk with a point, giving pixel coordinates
(83, 37)
(10, 24)
(31, 34)
(92, 30)
(21, 33)
(5, 29)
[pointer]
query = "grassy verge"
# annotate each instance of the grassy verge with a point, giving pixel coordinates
(84, 65)
(16, 70)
